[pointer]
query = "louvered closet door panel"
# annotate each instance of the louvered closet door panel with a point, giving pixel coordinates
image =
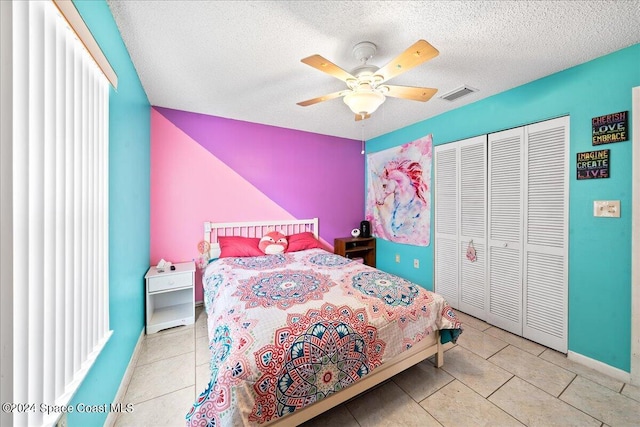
(505, 289)
(504, 228)
(545, 303)
(446, 199)
(446, 271)
(473, 194)
(472, 280)
(446, 223)
(505, 186)
(545, 233)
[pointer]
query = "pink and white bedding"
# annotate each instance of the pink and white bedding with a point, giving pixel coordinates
(288, 330)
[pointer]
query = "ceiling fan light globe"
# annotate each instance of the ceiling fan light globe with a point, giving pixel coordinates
(364, 102)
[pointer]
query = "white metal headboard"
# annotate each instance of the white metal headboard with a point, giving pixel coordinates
(213, 230)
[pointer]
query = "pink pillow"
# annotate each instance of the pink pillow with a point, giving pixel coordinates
(302, 241)
(236, 246)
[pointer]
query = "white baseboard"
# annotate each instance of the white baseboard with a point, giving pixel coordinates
(603, 368)
(126, 379)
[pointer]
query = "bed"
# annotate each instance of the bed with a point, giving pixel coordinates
(294, 334)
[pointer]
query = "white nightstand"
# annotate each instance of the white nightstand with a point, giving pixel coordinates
(170, 297)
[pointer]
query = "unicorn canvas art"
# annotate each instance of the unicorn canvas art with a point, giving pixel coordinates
(399, 199)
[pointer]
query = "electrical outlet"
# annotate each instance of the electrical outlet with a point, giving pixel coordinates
(416, 263)
(607, 208)
(397, 257)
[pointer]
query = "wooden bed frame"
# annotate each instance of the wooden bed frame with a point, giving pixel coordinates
(426, 348)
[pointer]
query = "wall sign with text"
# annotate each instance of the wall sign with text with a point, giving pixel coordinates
(610, 128)
(592, 164)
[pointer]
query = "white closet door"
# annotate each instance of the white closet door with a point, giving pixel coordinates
(504, 230)
(545, 268)
(446, 223)
(472, 187)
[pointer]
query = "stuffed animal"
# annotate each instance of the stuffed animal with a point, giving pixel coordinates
(273, 243)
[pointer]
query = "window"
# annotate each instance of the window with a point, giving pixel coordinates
(54, 210)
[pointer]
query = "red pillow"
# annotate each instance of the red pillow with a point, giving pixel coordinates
(302, 241)
(236, 246)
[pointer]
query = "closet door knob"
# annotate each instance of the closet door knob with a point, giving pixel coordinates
(505, 245)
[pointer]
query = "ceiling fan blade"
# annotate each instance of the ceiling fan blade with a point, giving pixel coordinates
(326, 66)
(323, 98)
(361, 117)
(422, 94)
(419, 52)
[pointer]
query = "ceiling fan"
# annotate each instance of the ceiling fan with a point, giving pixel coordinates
(366, 89)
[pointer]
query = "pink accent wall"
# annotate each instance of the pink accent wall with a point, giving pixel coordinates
(190, 185)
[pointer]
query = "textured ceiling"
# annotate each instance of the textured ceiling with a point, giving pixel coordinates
(241, 59)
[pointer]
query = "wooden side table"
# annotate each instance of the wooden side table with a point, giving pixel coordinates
(357, 247)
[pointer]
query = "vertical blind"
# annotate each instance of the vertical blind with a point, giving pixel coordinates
(60, 210)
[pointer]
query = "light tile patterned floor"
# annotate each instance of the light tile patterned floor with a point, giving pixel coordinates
(490, 378)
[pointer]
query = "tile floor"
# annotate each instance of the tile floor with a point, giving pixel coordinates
(490, 378)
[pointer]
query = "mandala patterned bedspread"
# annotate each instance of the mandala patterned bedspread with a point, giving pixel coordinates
(288, 330)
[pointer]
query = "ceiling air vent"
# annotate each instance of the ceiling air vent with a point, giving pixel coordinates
(458, 93)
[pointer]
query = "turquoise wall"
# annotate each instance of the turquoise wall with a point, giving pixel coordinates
(129, 184)
(599, 248)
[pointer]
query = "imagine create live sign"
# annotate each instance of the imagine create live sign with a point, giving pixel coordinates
(592, 164)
